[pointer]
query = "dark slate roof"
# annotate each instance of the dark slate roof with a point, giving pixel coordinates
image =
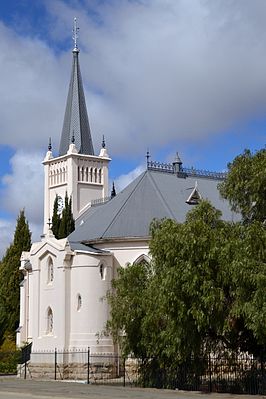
(151, 195)
(76, 122)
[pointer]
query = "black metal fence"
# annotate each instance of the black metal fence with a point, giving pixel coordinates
(231, 374)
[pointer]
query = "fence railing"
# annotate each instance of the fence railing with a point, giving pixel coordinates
(232, 374)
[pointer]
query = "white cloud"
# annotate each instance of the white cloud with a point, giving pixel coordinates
(155, 71)
(6, 232)
(166, 70)
(123, 180)
(23, 187)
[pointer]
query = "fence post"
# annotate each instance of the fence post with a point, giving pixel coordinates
(88, 374)
(210, 373)
(25, 370)
(124, 376)
(55, 362)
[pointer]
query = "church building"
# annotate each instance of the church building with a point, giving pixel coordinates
(62, 301)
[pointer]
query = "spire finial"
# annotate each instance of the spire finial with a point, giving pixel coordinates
(103, 142)
(50, 144)
(113, 192)
(49, 223)
(75, 34)
(148, 157)
(73, 138)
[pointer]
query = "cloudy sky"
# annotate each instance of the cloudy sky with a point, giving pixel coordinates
(168, 75)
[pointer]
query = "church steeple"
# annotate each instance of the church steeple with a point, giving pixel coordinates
(76, 120)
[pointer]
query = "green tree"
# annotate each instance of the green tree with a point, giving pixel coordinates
(67, 223)
(56, 218)
(167, 306)
(128, 308)
(64, 224)
(10, 278)
(204, 290)
(245, 185)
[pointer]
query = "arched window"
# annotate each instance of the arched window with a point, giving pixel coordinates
(90, 174)
(50, 321)
(64, 174)
(50, 270)
(95, 175)
(100, 176)
(79, 302)
(86, 174)
(102, 270)
(78, 173)
(142, 259)
(82, 174)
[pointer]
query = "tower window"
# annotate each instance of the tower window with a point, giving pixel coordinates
(100, 176)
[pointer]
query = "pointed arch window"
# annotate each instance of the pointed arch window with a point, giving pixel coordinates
(102, 271)
(50, 321)
(142, 259)
(50, 270)
(95, 175)
(100, 176)
(82, 174)
(79, 302)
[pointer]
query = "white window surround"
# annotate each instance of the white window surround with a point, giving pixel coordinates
(142, 258)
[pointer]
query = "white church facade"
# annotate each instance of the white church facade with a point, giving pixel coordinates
(65, 282)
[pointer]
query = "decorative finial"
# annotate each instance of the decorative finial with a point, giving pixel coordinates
(75, 35)
(113, 192)
(103, 142)
(73, 138)
(177, 164)
(50, 144)
(148, 156)
(49, 223)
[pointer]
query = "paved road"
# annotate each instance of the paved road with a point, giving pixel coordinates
(12, 388)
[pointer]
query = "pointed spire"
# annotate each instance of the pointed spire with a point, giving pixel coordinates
(113, 192)
(76, 117)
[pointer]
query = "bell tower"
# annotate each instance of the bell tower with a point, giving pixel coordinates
(76, 170)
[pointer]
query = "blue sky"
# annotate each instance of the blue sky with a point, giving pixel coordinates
(163, 75)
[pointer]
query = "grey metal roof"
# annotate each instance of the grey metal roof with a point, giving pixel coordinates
(77, 246)
(151, 195)
(76, 122)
